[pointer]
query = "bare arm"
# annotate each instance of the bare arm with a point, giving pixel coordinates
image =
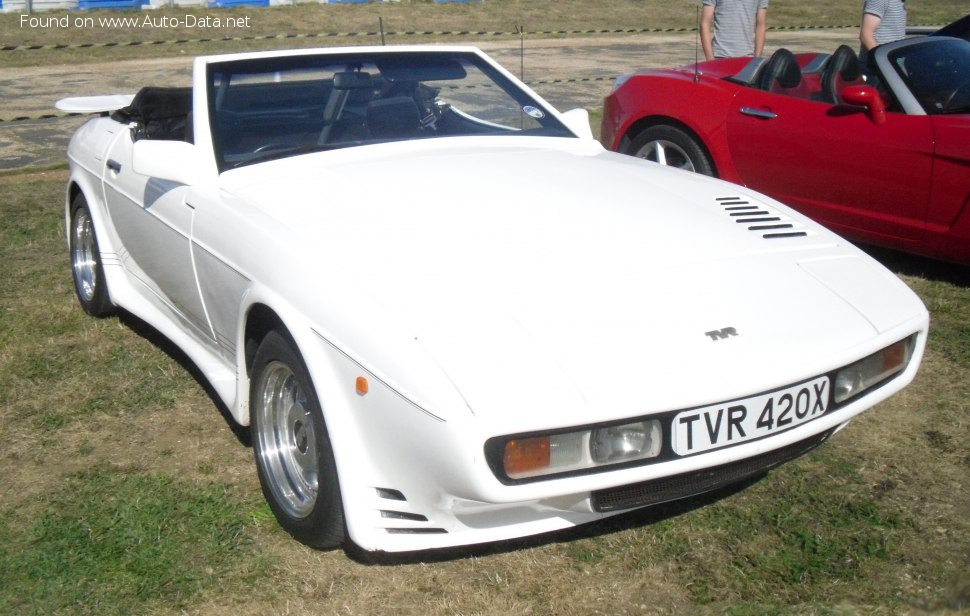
(707, 31)
(867, 33)
(760, 31)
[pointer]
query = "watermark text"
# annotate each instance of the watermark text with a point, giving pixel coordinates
(148, 22)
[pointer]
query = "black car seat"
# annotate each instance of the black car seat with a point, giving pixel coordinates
(393, 118)
(842, 69)
(781, 72)
(160, 113)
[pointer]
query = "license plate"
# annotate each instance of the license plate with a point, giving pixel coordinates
(730, 423)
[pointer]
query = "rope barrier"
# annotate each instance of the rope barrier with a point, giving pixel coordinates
(44, 116)
(324, 35)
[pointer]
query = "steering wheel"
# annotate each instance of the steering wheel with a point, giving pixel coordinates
(959, 98)
(269, 147)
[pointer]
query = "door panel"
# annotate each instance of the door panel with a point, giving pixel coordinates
(951, 175)
(833, 163)
(155, 223)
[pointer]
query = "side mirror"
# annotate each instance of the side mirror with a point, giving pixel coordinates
(577, 120)
(176, 161)
(867, 97)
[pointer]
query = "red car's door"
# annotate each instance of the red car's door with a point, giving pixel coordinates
(834, 163)
(948, 219)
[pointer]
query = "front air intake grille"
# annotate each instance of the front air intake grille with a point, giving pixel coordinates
(759, 218)
(685, 485)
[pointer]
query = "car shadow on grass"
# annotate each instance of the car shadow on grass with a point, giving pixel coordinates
(903, 263)
(637, 518)
(163, 344)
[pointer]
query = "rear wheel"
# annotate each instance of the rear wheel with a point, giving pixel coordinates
(669, 145)
(88, 271)
(292, 448)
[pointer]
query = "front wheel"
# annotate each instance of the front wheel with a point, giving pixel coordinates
(669, 145)
(294, 459)
(86, 266)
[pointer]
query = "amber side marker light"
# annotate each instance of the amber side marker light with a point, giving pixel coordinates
(362, 386)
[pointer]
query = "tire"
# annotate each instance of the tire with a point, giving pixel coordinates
(88, 271)
(294, 458)
(671, 146)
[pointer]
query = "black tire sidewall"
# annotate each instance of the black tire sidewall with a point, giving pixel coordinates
(701, 161)
(323, 527)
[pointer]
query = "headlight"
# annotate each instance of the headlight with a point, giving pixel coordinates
(865, 373)
(559, 453)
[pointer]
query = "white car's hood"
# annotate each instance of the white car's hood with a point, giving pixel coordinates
(549, 297)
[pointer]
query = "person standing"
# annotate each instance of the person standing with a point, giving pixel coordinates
(883, 21)
(733, 28)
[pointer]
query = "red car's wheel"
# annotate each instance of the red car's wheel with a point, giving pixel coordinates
(671, 146)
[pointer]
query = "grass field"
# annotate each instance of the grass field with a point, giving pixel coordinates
(125, 490)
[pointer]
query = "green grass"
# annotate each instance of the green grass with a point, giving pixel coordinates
(48, 380)
(105, 539)
(798, 538)
(113, 541)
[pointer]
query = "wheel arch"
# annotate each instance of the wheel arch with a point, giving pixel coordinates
(662, 120)
(260, 320)
(264, 314)
(356, 473)
(84, 186)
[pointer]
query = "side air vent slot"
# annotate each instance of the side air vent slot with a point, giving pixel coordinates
(403, 515)
(416, 531)
(401, 522)
(390, 494)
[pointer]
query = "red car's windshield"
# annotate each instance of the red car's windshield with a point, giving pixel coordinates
(937, 72)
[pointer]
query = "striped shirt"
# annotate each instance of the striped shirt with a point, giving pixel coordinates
(893, 16)
(734, 22)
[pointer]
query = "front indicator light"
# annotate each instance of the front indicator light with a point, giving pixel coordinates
(529, 457)
(585, 449)
(865, 373)
(526, 457)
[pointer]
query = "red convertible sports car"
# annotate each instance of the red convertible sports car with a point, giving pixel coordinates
(879, 153)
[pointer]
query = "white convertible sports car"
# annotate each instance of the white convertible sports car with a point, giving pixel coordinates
(448, 314)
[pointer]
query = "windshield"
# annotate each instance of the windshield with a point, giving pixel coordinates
(273, 107)
(937, 72)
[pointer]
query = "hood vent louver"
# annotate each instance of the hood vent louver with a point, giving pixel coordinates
(771, 223)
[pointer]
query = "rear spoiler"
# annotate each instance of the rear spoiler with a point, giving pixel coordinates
(94, 104)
